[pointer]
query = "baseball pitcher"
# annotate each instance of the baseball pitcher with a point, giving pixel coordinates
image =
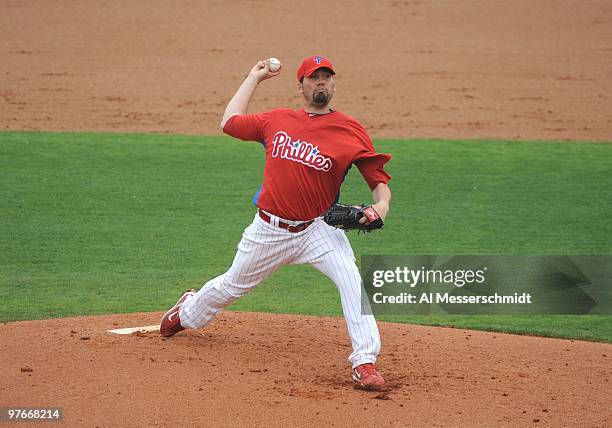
(308, 153)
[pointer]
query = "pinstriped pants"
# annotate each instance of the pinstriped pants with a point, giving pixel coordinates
(263, 249)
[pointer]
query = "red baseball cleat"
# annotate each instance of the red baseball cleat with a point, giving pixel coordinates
(367, 377)
(170, 322)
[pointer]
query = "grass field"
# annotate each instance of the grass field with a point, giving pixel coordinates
(113, 223)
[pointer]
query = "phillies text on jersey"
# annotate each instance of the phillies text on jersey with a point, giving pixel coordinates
(299, 151)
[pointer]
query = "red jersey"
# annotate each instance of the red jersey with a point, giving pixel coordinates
(307, 158)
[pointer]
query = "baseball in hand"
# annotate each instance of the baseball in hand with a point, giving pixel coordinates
(274, 64)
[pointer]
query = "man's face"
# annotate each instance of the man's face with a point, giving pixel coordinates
(318, 88)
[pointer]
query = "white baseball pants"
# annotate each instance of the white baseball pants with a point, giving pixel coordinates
(263, 249)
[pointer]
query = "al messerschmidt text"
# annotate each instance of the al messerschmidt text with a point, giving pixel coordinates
(447, 298)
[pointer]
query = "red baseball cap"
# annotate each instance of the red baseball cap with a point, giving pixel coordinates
(312, 64)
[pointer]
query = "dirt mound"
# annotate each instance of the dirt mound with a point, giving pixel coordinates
(279, 370)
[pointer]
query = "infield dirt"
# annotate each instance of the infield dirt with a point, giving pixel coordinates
(481, 69)
(502, 69)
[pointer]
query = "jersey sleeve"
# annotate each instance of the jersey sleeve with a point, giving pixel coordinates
(372, 168)
(247, 127)
(370, 164)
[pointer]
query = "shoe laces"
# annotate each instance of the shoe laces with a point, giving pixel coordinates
(368, 370)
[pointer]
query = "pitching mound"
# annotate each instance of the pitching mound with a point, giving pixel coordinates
(281, 370)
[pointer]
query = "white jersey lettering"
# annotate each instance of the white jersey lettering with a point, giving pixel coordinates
(299, 151)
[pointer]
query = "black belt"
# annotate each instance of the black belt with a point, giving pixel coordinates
(290, 228)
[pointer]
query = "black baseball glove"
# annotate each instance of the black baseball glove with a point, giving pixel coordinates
(347, 217)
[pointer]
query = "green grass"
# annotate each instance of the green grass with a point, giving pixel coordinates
(113, 223)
